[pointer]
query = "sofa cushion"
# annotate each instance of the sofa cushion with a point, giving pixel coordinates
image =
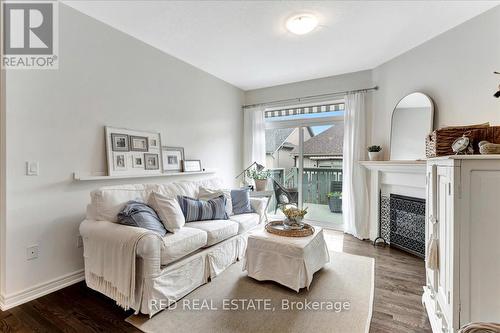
(110, 200)
(241, 201)
(187, 188)
(183, 242)
(217, 230)
(245, 221)
(168, 210)
(206, 193)
(201, 210)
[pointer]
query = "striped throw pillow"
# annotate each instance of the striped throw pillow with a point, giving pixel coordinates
(199, 210)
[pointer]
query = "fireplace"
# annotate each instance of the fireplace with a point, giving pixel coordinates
(402, 222)
(407, 224)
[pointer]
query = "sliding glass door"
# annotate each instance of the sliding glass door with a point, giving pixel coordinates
(304, 155)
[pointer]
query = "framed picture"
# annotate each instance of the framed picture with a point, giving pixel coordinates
(119, 142)
(151, 162)
(138, 161)
(172, 158)
(192, 165)
(119, 161)
(154, 143)
(138, 143)
(126, 149)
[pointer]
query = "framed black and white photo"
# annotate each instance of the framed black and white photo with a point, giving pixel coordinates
(138, 161)
(119, 161)
(119, 142)
(154, 143)
(138, 143)
(126, 149)
(192, 165)
(172, 158)
(151, 162)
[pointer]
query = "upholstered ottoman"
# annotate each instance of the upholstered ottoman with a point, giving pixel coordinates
(290, 261)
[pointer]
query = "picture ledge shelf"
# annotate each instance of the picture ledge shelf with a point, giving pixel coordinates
(78, 177)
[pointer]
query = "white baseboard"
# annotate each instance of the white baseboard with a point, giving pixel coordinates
(26, 295)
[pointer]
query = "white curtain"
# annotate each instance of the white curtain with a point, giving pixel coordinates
(254, 140)
(354, 186)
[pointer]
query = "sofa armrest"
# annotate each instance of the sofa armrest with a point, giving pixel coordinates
(259, 206)
(148, 247)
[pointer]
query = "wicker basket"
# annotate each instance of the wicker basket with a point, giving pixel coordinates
(438, 143)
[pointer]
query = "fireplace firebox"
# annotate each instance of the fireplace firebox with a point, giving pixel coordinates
(407, 224)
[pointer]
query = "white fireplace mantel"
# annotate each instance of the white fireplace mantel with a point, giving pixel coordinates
(401, 177)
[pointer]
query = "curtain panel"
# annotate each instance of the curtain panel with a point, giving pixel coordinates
(354, 186)
(254, 140)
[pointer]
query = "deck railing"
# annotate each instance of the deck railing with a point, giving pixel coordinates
(316, 182)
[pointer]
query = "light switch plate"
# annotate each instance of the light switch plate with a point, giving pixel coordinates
(32, 168)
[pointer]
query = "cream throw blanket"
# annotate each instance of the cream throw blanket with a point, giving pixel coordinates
(110, 256)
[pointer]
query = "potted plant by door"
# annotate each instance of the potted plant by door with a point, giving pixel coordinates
(335, 202)
(375, 153)
(260, 178)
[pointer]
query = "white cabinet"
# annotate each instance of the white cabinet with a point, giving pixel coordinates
(463, 214)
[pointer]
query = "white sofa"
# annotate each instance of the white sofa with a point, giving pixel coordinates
(168, 268)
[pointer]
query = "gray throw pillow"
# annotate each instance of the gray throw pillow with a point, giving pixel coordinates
(138, 214)
(241, 201)
(200, 210)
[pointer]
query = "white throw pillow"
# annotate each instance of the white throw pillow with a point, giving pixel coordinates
(110, 200)
(168, 210)
(208, 193)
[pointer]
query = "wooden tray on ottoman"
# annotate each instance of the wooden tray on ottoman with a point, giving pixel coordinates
(278, 228)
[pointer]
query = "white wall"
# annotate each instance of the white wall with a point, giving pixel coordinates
(57, 117)
(351, 81)
(455, 69)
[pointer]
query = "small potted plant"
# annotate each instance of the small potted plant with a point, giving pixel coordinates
(335, 202)
(375, 153)
(260, 178)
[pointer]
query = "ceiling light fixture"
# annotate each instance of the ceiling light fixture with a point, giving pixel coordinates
(301, 24)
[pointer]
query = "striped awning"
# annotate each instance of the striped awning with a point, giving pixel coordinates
(305, 110)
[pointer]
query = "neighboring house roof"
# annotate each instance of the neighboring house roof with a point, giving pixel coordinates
(275, 138)
(288, 145)
(327, 143)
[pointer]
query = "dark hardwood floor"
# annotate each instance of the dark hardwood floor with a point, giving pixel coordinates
(399, 278)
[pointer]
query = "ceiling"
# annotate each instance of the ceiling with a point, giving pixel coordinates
(246, 44)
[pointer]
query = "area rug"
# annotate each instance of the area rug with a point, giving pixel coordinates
(339, 299)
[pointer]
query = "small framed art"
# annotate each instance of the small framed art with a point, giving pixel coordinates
(172, 158)
(138, 143)
(151, 162)
(126, 151)
(119, 161)
(192, 165)
(154, 143)
(138, 161)
(119, 142)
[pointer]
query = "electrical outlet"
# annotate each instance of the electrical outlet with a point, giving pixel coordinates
(79, 241)
(32, 252)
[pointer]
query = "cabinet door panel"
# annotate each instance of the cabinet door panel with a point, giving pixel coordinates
(483, 229)
(431, 223)
(444, 211)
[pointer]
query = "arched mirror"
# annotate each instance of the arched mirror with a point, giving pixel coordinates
(412, 121)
